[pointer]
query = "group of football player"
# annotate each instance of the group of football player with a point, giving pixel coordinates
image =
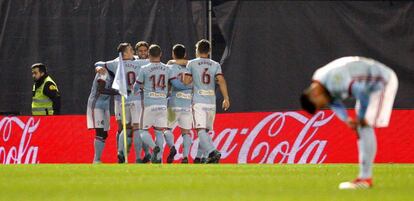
(159, 98)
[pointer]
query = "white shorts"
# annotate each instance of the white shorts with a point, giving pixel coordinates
(154, 116)
(97, 118)
(380, 104)
(132, 111)
(204, 115)
(181, 116)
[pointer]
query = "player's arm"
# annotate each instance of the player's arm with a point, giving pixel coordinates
(340, 111)
(102, 85)
(188, 77)
(139, 83)
(100, 67)
(137, 87)
(223, 89)
(178, 84)
(50, 90)
(181, 62)
(103, 90)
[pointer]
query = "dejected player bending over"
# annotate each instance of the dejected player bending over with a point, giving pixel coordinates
(374, 87)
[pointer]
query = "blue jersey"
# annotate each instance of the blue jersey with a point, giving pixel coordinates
(204, 72)
(96, 99)
(132, 69)
(179, 97)
(154, 79)
(355, 77)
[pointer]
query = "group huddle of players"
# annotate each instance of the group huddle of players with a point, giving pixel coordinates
(160, 96)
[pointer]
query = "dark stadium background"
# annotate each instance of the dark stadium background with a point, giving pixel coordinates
(268, 49)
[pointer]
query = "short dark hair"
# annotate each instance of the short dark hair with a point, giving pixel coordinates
(307, 105)
(122, 47)
(140, 44)
(40, 66)
(179, 51)
(203, 46)
(154, 50)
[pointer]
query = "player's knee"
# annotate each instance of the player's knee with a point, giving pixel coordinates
(101, 134)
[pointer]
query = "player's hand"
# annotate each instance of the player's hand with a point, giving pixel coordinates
(226, 104)
(100, 70)
(352, 123)
(363, 123)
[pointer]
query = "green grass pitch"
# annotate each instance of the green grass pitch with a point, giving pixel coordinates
(201, 182)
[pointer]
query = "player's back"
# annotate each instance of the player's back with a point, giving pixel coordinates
(179, 97)
(155, 78)
(340, 73)
(97, 99)
(132, 70)
(204, 71)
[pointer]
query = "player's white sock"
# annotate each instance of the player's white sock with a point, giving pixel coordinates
(367, 145)
(205, 142)
(99, 144)
(186, 144)
(137, 144)
(147, 139)
(169, 138)
(159, 141)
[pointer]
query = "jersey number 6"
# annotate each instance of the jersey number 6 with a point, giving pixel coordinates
(206, 76)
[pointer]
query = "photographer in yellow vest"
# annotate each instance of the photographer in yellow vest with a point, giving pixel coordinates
(46, 96)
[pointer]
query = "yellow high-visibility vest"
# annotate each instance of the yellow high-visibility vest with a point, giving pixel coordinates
(41, 104)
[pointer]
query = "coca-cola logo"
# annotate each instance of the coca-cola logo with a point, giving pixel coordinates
(23, 152)
(304, 148)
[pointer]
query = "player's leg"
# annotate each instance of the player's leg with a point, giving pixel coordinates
(136, 110)
(148, 121)
(199, 155)
(213, 156)
(101, 124)
(147, 153)
(169, 137)
(129, 132)
(200, 117)
(367, 147)
(185, 122)
(161, 123)
(118, 117)
(187, 141)
(159, 141)
(99, 144)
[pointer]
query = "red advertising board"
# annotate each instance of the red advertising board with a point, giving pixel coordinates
(261, 137)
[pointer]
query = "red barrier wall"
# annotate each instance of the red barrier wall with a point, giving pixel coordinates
(261, 137)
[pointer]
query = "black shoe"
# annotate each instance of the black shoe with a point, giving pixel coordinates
(204, 160)
(214, 157)
(197, 160)
(155, 152)
(170, 158)
(146, 158)
(121, 157)
(184, 160)
(157, 161)
(138, 160)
